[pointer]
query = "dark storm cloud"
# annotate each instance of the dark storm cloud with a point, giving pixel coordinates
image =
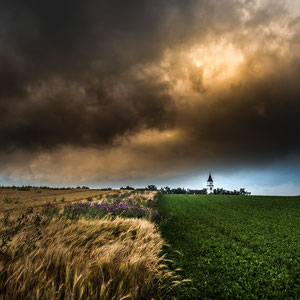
(62, 117)
(72, 73)
(62, 50)
(55, 38)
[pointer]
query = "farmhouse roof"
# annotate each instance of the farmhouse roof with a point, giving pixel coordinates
(210, 178)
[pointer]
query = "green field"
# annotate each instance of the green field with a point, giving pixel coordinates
(244, 247)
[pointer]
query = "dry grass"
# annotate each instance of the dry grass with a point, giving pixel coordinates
(88, 259)
(16, 202)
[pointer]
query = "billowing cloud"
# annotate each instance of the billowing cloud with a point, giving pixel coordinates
(105, 90)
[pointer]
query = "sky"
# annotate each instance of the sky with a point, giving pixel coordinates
(113, 93)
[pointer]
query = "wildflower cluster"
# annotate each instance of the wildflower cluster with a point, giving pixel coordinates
(50, 209)
(116, 208)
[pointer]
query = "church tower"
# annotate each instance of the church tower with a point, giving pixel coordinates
(210, 185)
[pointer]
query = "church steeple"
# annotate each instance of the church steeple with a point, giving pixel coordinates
(210, 185)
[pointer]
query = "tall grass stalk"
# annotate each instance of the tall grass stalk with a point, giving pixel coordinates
(88, 259)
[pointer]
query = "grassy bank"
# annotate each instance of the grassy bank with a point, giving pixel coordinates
(234, 246)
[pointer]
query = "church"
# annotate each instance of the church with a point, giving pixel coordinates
(208, 190)
(210, 185)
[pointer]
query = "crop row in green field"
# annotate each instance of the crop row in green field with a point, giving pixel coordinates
(234, 246)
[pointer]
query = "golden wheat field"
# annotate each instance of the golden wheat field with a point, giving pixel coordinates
(54, 257)
(15, 201)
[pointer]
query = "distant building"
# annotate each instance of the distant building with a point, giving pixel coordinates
(217, 191)
(197, 192)
(210, 185)
(208, 190)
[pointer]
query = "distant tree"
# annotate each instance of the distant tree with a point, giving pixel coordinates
(127, 188)
(151, 187)
(105, 189)
(178, 191)
(242, 191)
(166, 190)
(220, 191)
